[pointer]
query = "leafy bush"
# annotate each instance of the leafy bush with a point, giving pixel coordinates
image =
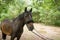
(44, 11)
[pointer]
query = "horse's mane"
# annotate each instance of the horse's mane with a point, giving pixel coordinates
(19, 17)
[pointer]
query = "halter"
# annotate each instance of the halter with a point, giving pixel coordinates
(30, 22)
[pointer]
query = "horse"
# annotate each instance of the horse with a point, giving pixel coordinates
(14, 28)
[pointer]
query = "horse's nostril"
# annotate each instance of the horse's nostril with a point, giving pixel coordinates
(31, 28)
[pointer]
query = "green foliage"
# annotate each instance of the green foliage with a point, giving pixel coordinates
(10, 9)
(44, 11)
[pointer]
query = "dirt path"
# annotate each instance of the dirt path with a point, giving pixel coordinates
(48, 31)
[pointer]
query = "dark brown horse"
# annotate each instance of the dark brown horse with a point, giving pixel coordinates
(15, 28)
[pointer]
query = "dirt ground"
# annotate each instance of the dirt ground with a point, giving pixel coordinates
(48, 31)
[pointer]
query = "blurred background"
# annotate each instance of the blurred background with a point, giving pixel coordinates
(44, 11)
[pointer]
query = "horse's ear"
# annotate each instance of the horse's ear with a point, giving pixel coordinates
(25, 9)
(31, 10)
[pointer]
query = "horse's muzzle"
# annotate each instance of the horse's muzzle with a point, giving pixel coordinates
(30, 26)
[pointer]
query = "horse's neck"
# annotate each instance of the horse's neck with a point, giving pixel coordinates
(19, 20)
(18, 25)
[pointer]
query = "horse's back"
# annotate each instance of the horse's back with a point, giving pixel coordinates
(6, 27)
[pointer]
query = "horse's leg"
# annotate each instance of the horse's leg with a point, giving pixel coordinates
(19, 36)
(12, 37)
(3, 36)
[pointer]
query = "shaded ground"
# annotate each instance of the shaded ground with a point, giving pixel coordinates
(48, 31)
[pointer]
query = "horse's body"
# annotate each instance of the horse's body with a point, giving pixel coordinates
(15, 28)
(6, 27)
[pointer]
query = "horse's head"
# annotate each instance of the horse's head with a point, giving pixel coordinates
(28, 19)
